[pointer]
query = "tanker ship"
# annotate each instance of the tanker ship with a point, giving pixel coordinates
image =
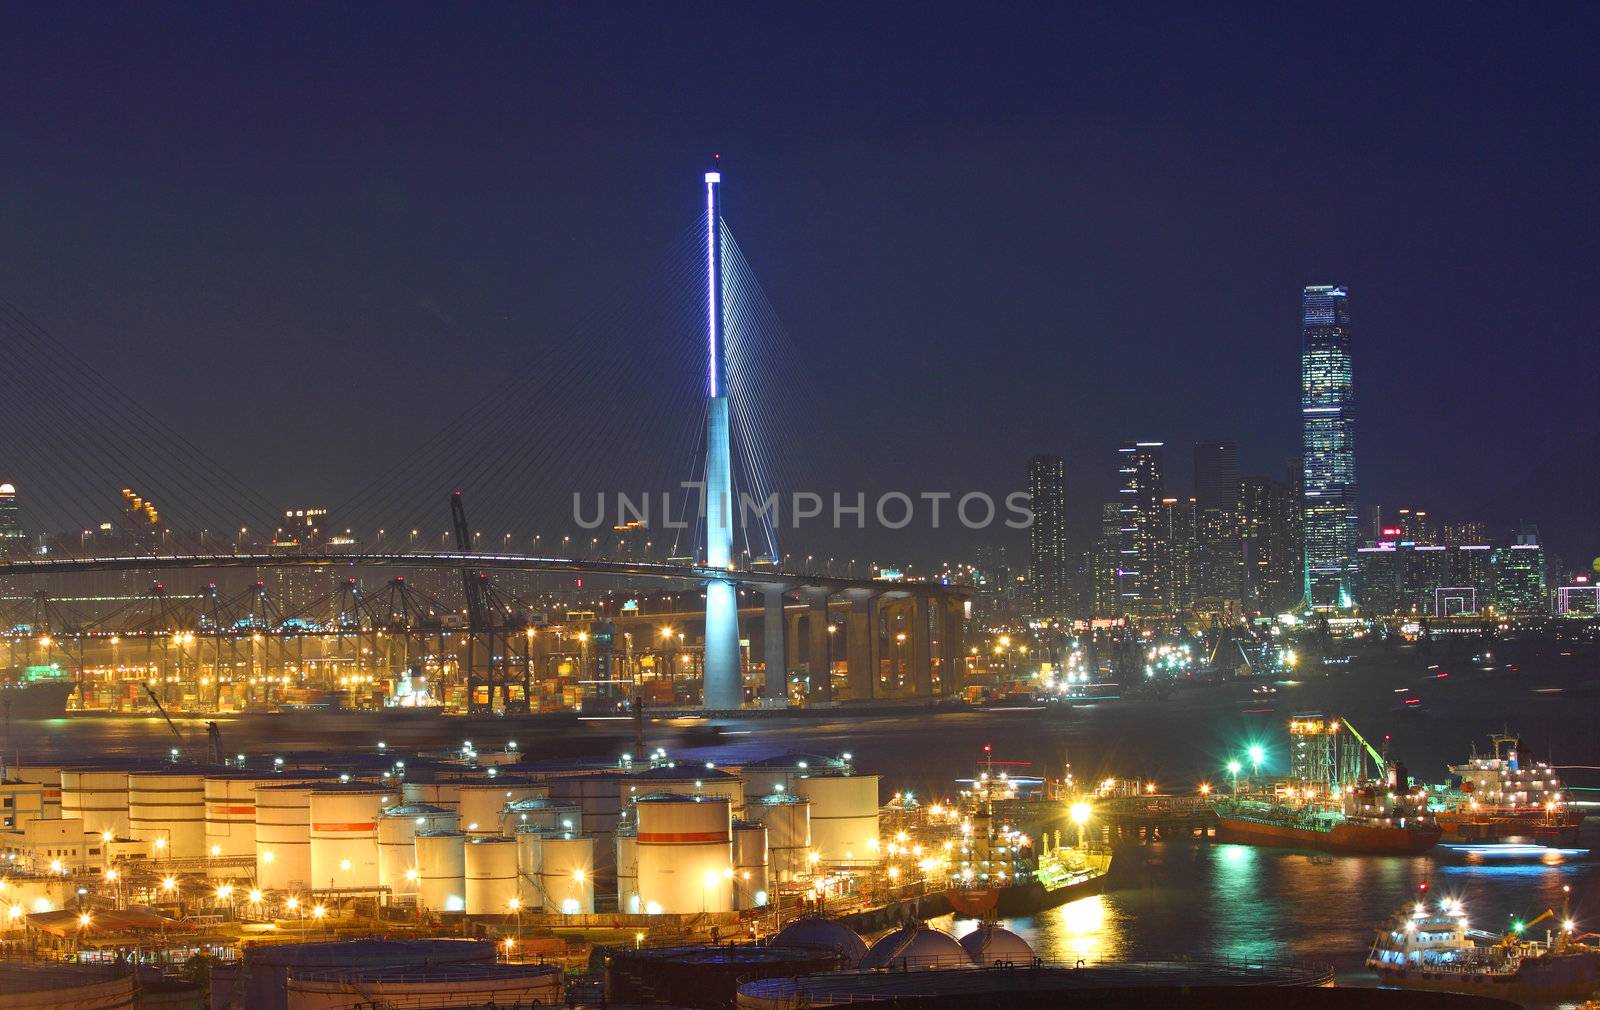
(1504, 798)
(1329, 803)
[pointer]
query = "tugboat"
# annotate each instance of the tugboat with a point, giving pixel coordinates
(1419, 948)
(1329, 804)
(1503, 798)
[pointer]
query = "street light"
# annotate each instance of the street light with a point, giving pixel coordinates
(1257, 755)
(1081, 813)
(1233, 770)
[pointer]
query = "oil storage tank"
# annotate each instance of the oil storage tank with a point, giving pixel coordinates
(441, 870)
(397, 851)
(685, 779)
(566, 874)
(705, 976)
(788, 821)
(530, 862)
(481, 802)
(344, 836)
(268, 969)
(98, 797)
(685, 849)
(490, 864)
(628, 901)
(230, 799)
(438, 794)
(63, 986)
(541, 814)
(749, 865)
(426, 985)
(167, 809)
(844, 816)
(283, 836)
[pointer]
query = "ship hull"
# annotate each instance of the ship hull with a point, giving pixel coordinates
(40, 700)
(1570, 976)
(1498, 827)
(1368, 839)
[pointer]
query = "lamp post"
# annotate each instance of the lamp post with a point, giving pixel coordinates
(1233, 770)
(1080, 816)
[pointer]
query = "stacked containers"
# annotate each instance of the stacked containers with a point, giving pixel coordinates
(344, 836)
(685, 851)
(168, 810)
(749, 865)
(441, 870)
(490, 865)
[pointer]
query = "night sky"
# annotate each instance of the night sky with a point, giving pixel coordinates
(308, 238)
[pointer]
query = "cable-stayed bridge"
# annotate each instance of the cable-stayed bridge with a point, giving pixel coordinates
(306, 609)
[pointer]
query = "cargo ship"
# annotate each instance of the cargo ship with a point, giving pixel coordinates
(35, 692)
(1328, 803)
(1502, 797)
(1419, 948)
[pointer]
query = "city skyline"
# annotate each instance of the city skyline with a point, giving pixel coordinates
(1145, 303)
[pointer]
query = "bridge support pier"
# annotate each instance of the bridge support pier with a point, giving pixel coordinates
(862, 646)
(952, 645)
(724, 680)
(775, 644)
(819, 645)
(921, 647)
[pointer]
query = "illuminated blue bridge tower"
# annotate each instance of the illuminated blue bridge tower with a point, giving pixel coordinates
(724, 681)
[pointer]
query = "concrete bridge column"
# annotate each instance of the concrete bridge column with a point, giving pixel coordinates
(953, 643)
(792, 638)
(862, 647)
(774, 643)
(819, 647)
(921, 644)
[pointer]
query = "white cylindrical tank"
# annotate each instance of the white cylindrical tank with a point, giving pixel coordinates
(844, 817)
(530, 862)
(167, 809)
(685, 780)
(482, 802)
(441, 870)
(596, 793)
(398, 827)
(749, 865)
(541, 814)
(344, 837)
(788, 821)
(566, 874)
(436, 794)
(48, 776)
(628, 900)
(230, 799)
(98, 797)
(685, 853)
(283, 837)
(491, 875)
(427, 985)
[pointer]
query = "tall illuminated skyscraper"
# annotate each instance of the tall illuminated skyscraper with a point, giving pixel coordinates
(1049, 566)
(1332, 526)
(1142, 576)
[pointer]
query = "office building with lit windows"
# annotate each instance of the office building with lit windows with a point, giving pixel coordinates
(1331, 525)
(1049, 563)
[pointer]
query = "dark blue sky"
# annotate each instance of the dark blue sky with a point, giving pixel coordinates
(304, 234)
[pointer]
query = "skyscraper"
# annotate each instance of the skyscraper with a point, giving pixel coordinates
(1141, 582)
(13, 539)
(1332, 526)
(1270, 517)
(1216, 475)
(1217, 561)
(1049, 568)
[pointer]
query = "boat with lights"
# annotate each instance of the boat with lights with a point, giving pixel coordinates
(1002, 871)
(1435, 948)
(1504, 797)
(1328, 802)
